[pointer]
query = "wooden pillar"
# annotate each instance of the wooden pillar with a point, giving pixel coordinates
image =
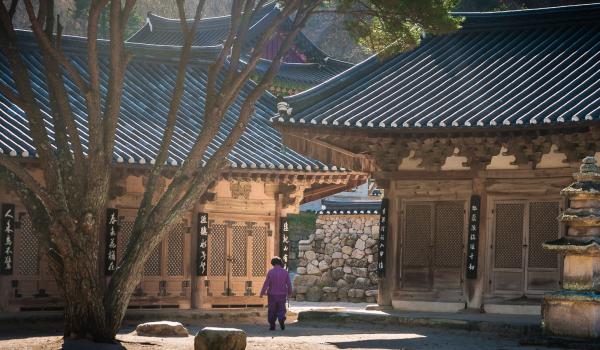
(389, 282)
(476, 287)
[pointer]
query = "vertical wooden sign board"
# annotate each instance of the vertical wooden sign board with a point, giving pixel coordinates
(202, 258)
(284, 241)
(383, 230)
(8, 239)
(473, 241)
(112, 227)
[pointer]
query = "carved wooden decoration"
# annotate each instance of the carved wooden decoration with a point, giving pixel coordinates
(240, 189)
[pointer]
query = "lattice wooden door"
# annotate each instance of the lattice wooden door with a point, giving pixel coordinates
(238, 257)
(433, 245)
(520, 265)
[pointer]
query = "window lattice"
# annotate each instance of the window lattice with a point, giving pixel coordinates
(449, 228)
(509, 236)
(418, 235)
(125, 228)
(259, 251)
(239, 248)
(152, 267)
(27, 246)
(543, 226)
(217, 245)
(176, 242)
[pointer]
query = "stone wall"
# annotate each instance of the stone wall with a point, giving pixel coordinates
(339, 261)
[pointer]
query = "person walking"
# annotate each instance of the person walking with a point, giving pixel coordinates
(277, 287)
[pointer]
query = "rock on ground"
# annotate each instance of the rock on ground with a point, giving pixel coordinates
(213, 338)
(161, 329)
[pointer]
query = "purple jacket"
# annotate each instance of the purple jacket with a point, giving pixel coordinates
(277, 282)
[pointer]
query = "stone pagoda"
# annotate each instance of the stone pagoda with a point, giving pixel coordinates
(575, 310)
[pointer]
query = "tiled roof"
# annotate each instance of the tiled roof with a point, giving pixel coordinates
(507, 68)
(148, 85)
(213, 31)
(305, 73)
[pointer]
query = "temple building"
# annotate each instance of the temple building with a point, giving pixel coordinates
(305, 65)
(472, 136)
(243, 214)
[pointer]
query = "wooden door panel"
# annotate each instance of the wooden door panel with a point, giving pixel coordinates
(417, 246)
(508, 281)
(543, 271)
(444, 278)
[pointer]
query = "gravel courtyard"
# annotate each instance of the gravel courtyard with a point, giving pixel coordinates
(295, 337)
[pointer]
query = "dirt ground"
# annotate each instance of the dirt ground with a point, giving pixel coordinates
(296, 337)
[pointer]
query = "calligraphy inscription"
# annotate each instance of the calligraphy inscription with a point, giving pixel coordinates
(473, 241)
(112, 228)
(383, 229)
(8, 239)
(202, 258)
(284, 242)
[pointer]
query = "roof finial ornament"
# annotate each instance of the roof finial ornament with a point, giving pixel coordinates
(148, 22)
(283, 108)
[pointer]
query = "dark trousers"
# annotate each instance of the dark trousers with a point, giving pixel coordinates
(276, 309)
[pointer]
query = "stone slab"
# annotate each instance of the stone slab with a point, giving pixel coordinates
(427, 306)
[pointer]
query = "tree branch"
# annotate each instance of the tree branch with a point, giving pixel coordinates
(12, 97)
(46, 46)
(175, 101)
(19, 172)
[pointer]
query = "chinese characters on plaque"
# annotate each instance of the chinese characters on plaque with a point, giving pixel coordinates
(473, 241)
(284, 242)
(112, 227)
(202, 258)
(383, 228)
(8, 239)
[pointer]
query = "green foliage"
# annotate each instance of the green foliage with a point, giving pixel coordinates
(302, 225)
(396, 25)
(82, 8)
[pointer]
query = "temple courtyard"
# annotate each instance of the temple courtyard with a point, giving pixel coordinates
(312, 326)
(297, 336)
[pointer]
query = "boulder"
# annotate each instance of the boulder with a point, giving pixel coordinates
(337, 273)
(312, 269)
(371, 293)
(337, 255)
(350, 278)
(330, 289)
(360, 244)
(362, 283)
(341, 283)
(301, 270)
(359, 271)
(356, 293)
(370, 242)
(161, 329)
(305, 280)
(343, 293)
(301, 289)
(323, 266)
(314, 294)
(213, 338)
(310, 255)
(347, 249)
(358, 254)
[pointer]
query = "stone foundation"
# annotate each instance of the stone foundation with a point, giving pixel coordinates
(339, 261)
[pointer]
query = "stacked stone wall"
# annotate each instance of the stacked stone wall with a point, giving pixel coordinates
(338, 262)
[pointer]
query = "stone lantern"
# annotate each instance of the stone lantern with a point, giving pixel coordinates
(575, 310)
